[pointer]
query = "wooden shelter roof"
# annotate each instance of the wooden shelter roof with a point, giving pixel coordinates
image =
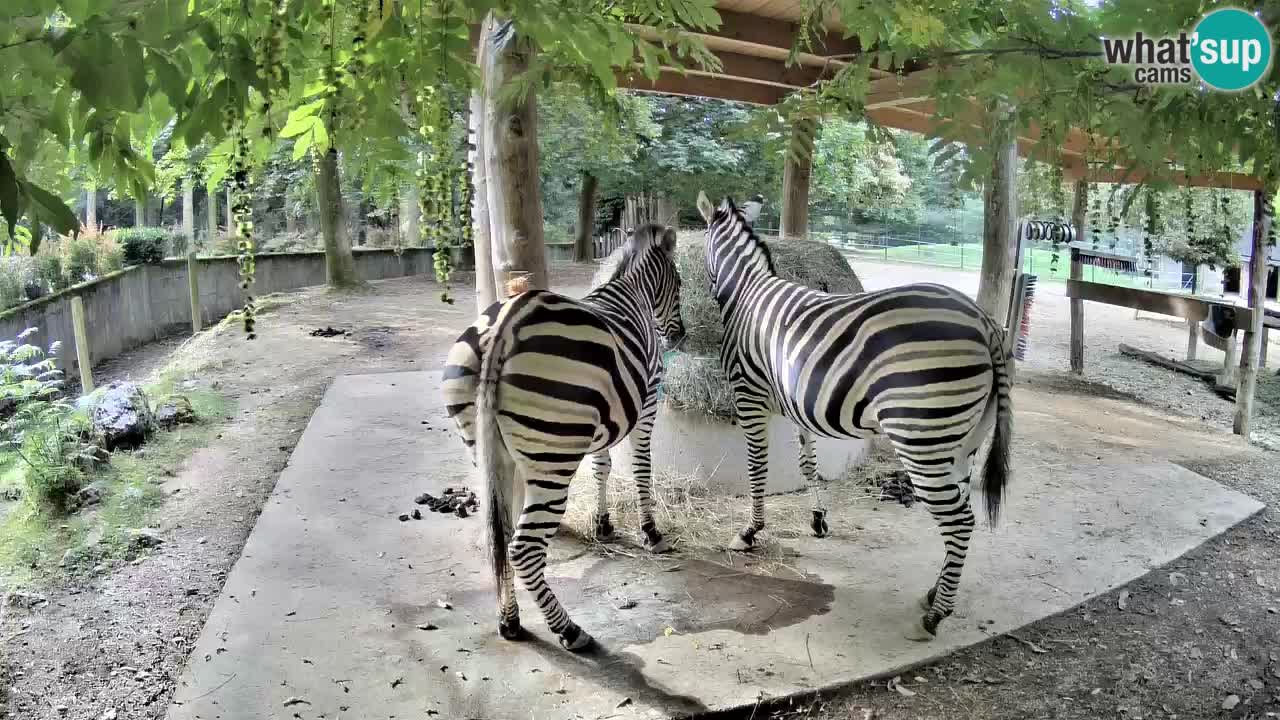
(755, 39)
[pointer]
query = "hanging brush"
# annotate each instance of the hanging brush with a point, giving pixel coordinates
(1024, 298)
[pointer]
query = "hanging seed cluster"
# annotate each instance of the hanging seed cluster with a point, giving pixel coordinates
(241, 211)
(1153, 219)
(270, 60)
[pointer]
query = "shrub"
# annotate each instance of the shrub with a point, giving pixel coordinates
(82, 260)
(17, 272)
(49, 272)
(42, 431)
(146, 246)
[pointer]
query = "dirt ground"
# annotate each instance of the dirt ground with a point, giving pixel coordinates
(1189, 638)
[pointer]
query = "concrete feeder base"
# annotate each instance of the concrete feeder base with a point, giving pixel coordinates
(715, 451)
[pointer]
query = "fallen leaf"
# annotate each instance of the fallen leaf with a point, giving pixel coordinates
(1230, 702)
(626, 604)
(444, 604)
(1123, 601)
(296, 701)
(625, 702)
(895, 684)
(461, 675)
(668, 631)
(427, 626)
(396, 683)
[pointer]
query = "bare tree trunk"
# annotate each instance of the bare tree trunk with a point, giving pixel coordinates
(486, 293)
(511, 157)
(189, 211)
(1263, 214)
(796, 170)
(645, 208)
(999, 223)
(582, 250)
(211, 214)
(340, 264)
(139, 212)
(91, 208)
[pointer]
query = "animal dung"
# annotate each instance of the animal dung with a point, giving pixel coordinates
(457, 501)
(327, 332)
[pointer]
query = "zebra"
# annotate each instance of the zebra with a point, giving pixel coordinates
(540, 381)
(921, 364)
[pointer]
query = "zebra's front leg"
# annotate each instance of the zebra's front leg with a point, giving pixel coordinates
(809, 469)
(545, 498)
(601, 465)
(642, 468)
(948, 502)
(755, 427)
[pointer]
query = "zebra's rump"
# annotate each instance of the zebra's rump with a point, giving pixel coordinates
(567, 381)
(914, 361)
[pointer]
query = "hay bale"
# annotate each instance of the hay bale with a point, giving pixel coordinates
(693, 380)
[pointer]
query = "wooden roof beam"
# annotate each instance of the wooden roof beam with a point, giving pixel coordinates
(673, 83)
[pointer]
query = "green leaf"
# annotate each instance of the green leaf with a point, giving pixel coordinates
(10, 194)
(171, 81)
(302, 119)
(302, 145)
(52, 210)
(135, 71)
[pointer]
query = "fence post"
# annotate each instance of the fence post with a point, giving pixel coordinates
(82, 345)
(193, 281)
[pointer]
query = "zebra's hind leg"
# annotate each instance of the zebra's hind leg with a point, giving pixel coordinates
(809, 469)
(601, 465)
(544, 505)
(947, 498)
(642, 468)
(753, 417)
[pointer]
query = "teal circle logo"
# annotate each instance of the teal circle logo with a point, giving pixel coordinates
(1231, 49)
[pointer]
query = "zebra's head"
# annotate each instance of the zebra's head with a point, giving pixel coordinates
(650, 255)
(733, 250)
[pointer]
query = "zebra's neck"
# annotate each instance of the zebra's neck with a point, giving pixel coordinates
(740, 260)
(627, 296)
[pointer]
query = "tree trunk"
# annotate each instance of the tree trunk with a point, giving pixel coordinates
(582, 250)
(340, 264)
(140, 212)
(1263, 213)
(486, 293)
(91, 209)
(511, 157)
(796, 170)
(999, 223)
(211, 215)
(1079, 220)
(189, 212)
(646, 208)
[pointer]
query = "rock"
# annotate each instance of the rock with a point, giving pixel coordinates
(121, 415)
(1231, 702)
(24, 600)
(175, 410)
(89, 495)
(140, 538)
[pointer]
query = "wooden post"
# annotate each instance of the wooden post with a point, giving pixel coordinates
(82, 345)
(193, 283)
(486, 293)
(586, 217)
(1000, 219)
(1262, 216)
(1193, 339)
(189, 211)
(796, 170)
(91, 209)
(511, 156)
(1079, 217)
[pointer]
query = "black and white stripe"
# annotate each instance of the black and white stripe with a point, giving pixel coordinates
(920, 364)
(539, 382)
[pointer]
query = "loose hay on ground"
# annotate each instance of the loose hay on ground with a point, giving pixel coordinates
(698, 520)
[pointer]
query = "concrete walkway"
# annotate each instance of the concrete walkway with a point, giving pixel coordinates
(321, 616)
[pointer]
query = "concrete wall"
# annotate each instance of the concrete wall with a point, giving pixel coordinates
(141, 304)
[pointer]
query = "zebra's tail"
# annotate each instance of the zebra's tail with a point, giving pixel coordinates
(995, 475)
(496, 467)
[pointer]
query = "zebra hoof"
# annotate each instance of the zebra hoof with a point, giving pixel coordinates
(604, 529)
(743, 542)
(510, 630)
(917, 631)
(926, 601)
(574, 638)
(658, 548)
(819, 524)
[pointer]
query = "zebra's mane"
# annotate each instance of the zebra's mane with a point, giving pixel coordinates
(637, 246)
(753, 239)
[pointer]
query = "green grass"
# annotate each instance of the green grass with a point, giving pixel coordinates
(968, 257)
(33, 539)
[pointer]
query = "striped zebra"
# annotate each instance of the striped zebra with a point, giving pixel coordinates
(539, 382)
(920, 364)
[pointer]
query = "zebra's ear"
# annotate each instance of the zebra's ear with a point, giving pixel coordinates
(705, 208)
(669, 240)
